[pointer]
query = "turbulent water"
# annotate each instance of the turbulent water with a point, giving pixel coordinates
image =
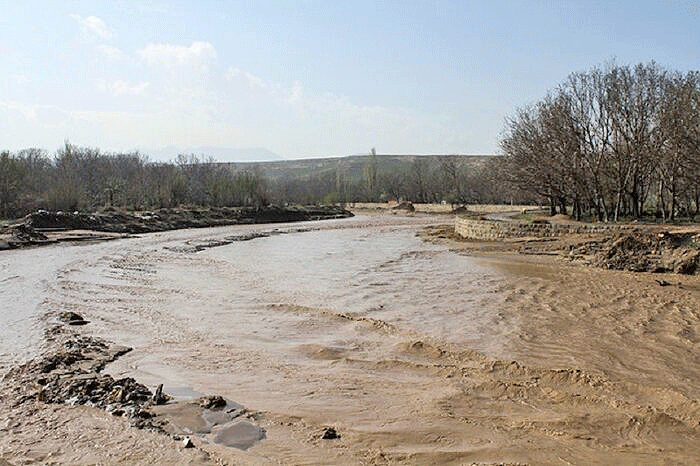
(397, 343)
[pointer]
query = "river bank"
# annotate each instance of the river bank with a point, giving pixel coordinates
(44, 227)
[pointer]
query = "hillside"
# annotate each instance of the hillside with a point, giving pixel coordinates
(352, 166)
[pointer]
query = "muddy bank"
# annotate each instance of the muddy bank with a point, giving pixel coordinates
(41, 227)
(644, 248)
(70, 373)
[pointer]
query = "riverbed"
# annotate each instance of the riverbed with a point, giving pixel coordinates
(414, 352)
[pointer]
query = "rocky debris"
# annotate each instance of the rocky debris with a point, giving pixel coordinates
(70, 373)
(211, 402)
(644, 251)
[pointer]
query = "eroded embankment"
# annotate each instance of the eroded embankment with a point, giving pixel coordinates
(638, 248)
(35, 227)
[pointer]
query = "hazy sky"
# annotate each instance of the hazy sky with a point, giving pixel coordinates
(309, 78)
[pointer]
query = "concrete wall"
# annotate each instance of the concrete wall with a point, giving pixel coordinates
(496, 229)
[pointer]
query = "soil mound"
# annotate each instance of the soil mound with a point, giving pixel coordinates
(172, 219)
(31, 230)
(646, 251)
(407, 206)
(22, 234)
(461, 210)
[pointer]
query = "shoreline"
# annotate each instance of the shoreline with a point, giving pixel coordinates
(70, 371)
(639, 248)
(44, 227)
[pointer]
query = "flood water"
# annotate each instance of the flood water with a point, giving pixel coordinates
(290, 294)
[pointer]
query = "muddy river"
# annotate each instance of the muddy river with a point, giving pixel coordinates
(413, 352)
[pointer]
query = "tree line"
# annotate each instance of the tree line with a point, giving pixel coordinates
(451, 179)
(615, 141)
(85, 179)
(78, 178)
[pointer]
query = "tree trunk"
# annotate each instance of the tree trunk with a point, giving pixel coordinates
(661, 204)
(577, 209)
(618, 204)
(674, 195)
(635, 202)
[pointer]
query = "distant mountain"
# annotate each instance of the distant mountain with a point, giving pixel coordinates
(219, 154)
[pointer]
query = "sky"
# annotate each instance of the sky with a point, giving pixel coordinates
(310, 78)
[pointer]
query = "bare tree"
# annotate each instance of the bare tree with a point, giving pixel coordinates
(370, 176)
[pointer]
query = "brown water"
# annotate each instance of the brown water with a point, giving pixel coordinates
(271, 319)
(396, 343)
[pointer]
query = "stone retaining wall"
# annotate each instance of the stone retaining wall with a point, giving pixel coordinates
(497, 229)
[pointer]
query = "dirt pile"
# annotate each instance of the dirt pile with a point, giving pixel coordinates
(21, 235)
(32, 228)
(644, 251)
(172, 219)
(407, 206)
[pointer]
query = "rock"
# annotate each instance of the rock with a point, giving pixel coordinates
(160, 398)
(211, 402)
(329, 433)
(72, 318)
(117, 395)
(187, 443)
(78, 322)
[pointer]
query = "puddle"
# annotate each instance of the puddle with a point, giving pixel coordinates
(241, 435)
